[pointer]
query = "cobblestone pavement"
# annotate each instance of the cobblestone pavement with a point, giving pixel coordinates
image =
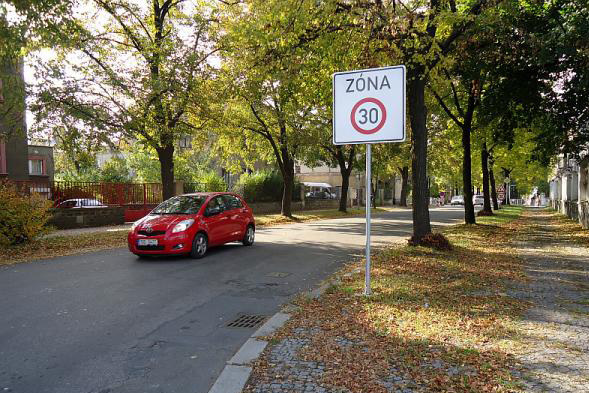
(291, 374)
(556, 327)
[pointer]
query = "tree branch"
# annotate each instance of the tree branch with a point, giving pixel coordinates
(446, 109)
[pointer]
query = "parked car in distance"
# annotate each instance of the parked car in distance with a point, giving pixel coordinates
(478, 200)
(320, 195)
(457, 200)
(77, 203)
(191, 223)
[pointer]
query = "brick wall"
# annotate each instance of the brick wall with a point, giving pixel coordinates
(87, 217)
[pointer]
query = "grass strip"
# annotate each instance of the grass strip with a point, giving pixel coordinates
(57, 246)
(440, 320)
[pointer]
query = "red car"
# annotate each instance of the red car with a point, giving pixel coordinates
(191, 223)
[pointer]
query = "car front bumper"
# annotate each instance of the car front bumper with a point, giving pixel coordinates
(177, 243)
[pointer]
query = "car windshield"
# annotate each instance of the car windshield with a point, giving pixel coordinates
(180, 205)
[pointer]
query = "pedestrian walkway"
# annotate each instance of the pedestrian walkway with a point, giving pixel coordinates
(556, 327)
(79, 231)
(548, 348)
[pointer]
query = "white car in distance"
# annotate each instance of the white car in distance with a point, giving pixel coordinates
(457, 200)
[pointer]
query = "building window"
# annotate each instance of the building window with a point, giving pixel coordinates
(36, 167)
(185, 142)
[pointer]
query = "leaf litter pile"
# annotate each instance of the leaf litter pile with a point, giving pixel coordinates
(437, 320)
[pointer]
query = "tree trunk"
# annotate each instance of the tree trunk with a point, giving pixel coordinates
(288, 177)
(394, 189)
(343, 201)
(493, 185)
(404, 185)
(345, 169)
(469, 216)
(166, 158)
(417, 115)
(485, 167)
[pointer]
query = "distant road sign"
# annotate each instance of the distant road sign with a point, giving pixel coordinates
(501, 193)
(369, 106)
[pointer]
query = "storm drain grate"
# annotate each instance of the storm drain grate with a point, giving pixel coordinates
(247, 321)
(278, 274)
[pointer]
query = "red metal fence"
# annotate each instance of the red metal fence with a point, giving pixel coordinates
(137, 198)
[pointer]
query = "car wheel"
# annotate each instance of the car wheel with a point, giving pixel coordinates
(199, 246)
(250, 234)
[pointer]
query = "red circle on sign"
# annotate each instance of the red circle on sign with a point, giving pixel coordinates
(378, 126)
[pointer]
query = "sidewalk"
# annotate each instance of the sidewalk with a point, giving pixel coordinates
(476, 319)
(556, 327)
(79, 231)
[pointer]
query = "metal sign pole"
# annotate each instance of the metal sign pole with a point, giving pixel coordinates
(367, 291)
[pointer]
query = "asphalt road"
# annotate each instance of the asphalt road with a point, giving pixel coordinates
(107, 322)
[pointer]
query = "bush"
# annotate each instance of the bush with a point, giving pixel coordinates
(433, 240)
(22, 218)
(115, 171)
(264, 187)
(212, 182)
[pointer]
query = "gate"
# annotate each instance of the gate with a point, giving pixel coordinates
(138, 199)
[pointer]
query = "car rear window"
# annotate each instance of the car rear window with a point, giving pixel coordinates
(184, 204)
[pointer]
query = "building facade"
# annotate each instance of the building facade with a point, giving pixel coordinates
(569, 187)
(388, 193)
(18, 159)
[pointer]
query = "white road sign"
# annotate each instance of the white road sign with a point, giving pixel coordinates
(369, 106)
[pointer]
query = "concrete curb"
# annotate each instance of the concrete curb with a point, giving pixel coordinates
(232, 379)
(239, 368)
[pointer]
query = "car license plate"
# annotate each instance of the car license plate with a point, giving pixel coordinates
(147, 242)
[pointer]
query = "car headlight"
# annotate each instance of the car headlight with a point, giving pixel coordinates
(182, 226)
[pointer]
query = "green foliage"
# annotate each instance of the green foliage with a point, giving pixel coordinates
(139, 70)
(434, 190)
(22, 218)
(75, 155)
(115, 171)
(212, 182)
(263, 186)
(526, 172)
(144, 163)
(260, 187)
(81, 168)
(189, 166)
(543, 187)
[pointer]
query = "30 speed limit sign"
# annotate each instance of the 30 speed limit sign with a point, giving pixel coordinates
(369, 106)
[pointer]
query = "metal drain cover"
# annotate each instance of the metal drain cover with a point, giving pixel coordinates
(278, 274)
(247, 321)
